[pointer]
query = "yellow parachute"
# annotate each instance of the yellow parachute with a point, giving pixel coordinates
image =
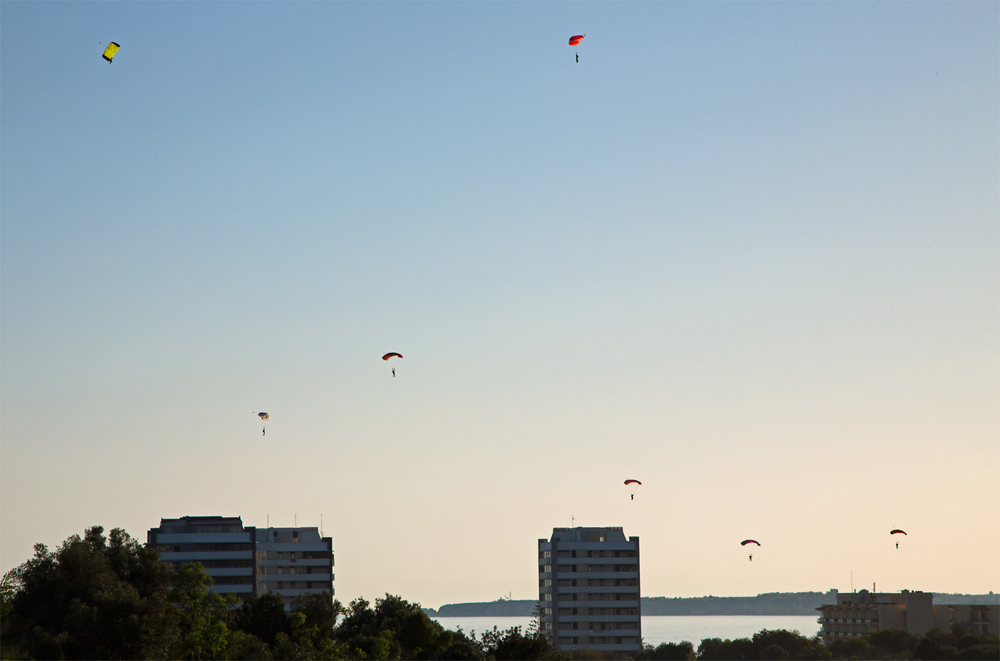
(110, 51)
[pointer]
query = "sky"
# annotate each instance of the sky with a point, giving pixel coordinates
(748, 253)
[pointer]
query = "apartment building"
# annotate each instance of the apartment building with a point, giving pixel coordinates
(220, 543)
(293, 561)
(588, 590)
(248, 561)
(856, 614)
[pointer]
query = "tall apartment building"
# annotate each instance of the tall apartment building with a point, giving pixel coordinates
(856, 614)
(588, 590)
(293, 562)
(248, 561)
(220, 543)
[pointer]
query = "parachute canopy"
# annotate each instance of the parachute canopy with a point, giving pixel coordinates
(897, 531)
(392, 354)
(576, 39)
(110, 51)
(264, 416)
(632, 482)
(749, 541)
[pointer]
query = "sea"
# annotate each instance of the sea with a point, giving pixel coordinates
(658, 629)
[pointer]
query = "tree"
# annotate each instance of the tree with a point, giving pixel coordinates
(893, 643)
(682, 651)
(773, 643)
(263, 617)
(726, 650)
(396, 629)
(92, 599)
(320, 611)
(512, 644)
(204, 616)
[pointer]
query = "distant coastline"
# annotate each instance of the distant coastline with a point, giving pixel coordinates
(774, 603)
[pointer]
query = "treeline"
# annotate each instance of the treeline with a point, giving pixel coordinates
(100, 597)
(777, 603)
(772, 603)
(886, 644)
(978, 599)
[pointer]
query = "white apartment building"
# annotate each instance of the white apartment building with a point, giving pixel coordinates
(248, 561)
(588, 590)
(220, 543)
(293, 561)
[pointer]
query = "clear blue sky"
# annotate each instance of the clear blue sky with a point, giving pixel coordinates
(746, 252)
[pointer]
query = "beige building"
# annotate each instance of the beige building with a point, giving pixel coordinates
(293, 562)
(588, 590)
(856, 614)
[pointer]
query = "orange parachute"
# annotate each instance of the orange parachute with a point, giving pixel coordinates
(576, 39)
(392, 354)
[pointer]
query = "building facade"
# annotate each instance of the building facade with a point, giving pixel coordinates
(588, 590)
(248, 561)
(220, 543)
(856, 614)
(293, 561)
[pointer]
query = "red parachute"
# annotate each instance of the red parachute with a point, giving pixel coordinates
(632, 482)
(897, 531)
(576, 39)
(749, 541)
(391, 354)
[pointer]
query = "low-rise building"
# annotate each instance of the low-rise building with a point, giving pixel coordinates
(856, 614)
(588, 590)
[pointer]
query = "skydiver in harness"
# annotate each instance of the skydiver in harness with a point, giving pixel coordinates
(633, 496)
(751, 557)
(394, 372)
(577, 57)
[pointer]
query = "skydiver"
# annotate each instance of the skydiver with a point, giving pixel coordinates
(633, 496)
(751, 557)
(577, 57)
(394, 372)
(897, 545)
(263, 432)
